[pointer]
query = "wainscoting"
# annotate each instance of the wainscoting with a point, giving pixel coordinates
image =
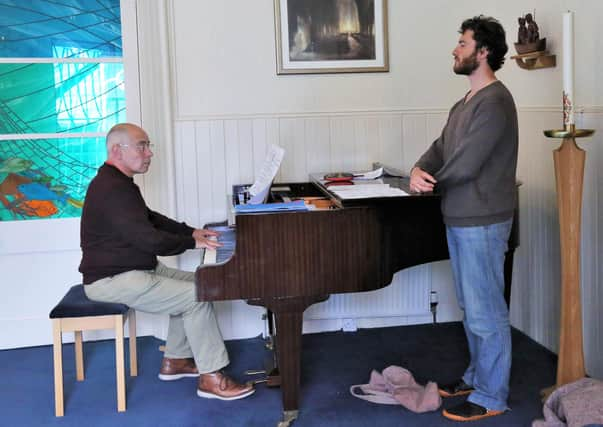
(213, 154)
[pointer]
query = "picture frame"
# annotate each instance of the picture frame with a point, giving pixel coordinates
(331, 36)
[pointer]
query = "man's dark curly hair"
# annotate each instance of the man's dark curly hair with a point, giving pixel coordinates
(489, 34)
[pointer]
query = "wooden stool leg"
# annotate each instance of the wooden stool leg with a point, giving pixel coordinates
(79, 355)
(119, 363)
(57, 349)
(132, 342)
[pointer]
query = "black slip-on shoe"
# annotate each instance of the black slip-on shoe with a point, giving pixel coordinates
(468, 411)
(457, 388)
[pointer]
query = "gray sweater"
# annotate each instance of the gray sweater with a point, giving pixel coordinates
(475, 159)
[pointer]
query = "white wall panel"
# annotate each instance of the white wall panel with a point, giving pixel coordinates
(318, 156)
(343, 136)
(386, 136)
(217, 168)
(293, 141)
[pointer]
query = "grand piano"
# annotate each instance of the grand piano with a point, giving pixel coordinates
(289, 260)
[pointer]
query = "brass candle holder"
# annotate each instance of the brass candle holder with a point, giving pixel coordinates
(568, 131)
(569, 175)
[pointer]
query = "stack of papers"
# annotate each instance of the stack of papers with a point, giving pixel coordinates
(366, 191)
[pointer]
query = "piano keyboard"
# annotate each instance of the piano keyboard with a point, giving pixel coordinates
(222, 254)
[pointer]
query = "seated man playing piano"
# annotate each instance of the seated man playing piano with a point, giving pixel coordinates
(121, 239)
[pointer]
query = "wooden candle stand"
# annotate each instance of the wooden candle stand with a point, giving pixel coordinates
(569, 174)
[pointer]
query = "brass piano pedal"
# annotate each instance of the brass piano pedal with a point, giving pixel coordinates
(288, 418)
(254, 372)
(270, 381)
(272, 378)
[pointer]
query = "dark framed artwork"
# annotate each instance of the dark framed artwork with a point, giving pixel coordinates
(331, 36)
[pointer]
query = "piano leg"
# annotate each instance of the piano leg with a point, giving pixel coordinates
(289, 314)
(288, 347)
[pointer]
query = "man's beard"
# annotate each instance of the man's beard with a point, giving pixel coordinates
(467, 65)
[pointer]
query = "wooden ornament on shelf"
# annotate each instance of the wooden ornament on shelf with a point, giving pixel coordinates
(531, 49)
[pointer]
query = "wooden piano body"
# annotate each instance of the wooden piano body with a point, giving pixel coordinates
(286, 261)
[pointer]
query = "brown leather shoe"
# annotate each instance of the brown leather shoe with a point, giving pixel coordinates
(174, 369)
(218, 385)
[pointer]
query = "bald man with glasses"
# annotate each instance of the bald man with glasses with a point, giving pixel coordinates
(121, 239)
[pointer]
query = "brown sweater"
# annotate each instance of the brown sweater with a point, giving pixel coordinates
(120, 233)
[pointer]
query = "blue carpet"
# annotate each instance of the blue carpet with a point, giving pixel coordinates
(331, 362)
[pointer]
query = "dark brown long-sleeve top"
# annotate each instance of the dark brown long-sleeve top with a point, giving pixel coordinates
(120, 233)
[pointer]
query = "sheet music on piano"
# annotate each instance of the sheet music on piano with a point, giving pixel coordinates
(260, 188)
(367, 191)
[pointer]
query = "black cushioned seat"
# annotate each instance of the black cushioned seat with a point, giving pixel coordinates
(76, 304)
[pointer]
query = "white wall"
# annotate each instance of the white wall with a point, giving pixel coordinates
(208, 67)
(225, 60)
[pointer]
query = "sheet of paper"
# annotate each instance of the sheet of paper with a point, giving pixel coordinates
(261, 186)
(369, 175)
(366, 191)
(391, 171)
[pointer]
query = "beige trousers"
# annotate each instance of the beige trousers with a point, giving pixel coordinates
(193, 329)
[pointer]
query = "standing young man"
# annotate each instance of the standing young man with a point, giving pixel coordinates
(473, 164)
(121, 239)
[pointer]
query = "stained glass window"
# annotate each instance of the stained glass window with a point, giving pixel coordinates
(35, 28)
(47, 177)
(61, 89)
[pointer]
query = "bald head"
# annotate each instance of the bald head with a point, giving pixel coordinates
(128, 148)
(120, 134)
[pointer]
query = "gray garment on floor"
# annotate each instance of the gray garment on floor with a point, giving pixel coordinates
(574, 405)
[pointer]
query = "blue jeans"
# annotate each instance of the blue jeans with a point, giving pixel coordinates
(477, 255)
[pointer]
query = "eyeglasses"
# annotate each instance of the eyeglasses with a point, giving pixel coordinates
(140, 146)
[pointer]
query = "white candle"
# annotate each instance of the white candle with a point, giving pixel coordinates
(568, 69)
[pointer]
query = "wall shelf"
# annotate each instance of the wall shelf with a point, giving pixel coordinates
(535, 60)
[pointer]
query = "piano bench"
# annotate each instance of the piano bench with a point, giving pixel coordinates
(76, 313)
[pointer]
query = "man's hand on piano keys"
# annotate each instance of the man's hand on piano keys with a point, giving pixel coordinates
(206, 239)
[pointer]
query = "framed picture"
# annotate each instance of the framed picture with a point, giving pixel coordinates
(331, 36)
